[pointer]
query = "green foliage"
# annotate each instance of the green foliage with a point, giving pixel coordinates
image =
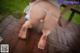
(12, 6)
(76, 18)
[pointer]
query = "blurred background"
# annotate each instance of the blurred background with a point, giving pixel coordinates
(12, 7)
(16, 8)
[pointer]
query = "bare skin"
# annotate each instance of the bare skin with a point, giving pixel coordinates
(38, 14)
(23, 31)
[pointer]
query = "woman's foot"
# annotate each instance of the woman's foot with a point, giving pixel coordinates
(22, 35)
(24, 29)
(42, 42)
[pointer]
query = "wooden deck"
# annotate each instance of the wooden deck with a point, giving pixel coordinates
(9, 29)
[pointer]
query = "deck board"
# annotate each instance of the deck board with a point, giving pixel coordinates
(9, 29)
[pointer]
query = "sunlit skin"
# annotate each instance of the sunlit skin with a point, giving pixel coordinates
(49, 21)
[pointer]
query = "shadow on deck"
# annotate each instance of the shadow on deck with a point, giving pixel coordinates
(9, 29)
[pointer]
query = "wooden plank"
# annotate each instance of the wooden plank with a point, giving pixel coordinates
(10, 36)
(66, 39)
(6, 22)
(10, 31)
(65, 36)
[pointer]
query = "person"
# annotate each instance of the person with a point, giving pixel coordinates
(26, 17)
(28, 8)
(45, 13)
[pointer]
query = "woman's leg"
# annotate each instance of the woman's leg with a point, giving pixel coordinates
(24, 28)
(42, 41)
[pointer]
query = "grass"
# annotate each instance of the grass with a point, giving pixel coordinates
(76, 17)
(13, 7)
